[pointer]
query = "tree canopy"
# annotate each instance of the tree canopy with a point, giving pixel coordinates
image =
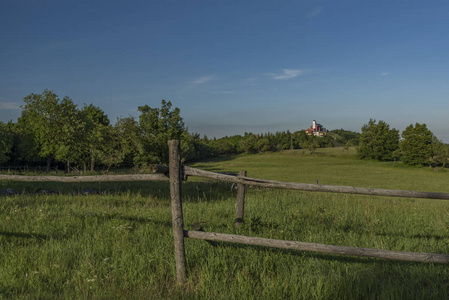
(378, 141)
(416, 145)
(6, 142)
(158, 126)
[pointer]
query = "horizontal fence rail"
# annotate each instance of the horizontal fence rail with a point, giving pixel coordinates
(189, 171)
(314, 187)
(98, 178)
(329, 249)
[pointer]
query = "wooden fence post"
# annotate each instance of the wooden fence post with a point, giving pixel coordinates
(240, 205)
(176, 210)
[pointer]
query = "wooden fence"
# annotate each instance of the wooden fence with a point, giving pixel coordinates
(178, 172)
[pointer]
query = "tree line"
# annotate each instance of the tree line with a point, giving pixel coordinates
(418, 145)
(56, 133)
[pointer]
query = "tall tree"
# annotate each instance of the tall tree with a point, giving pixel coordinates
(6, 142)
(69, 134)
(54, 125)
(112, 149)
(39, 118)
(416, 144)
(25, 147)
(158, 126)
(378, 141)
(131, 140)
(94, 126)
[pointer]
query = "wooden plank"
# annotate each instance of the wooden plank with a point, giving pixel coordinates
(176, 208)
(315, 187)
(329, 249)
(240, 205)
(99, 178)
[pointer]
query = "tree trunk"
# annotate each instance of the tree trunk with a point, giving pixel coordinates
(48, 163)
(92, 163)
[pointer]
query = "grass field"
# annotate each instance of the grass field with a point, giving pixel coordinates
(118, 244)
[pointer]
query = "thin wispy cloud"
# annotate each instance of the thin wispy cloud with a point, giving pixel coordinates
(9, 105)
(203, 79)
(286, 74)
(384, 73)
(314, 12)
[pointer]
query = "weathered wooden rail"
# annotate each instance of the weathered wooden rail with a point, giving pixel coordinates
(98, 178)
(323, 248)
(242, 179)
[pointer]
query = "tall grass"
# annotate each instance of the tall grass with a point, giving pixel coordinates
(118, 243)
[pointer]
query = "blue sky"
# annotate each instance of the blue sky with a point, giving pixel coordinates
(234, 66)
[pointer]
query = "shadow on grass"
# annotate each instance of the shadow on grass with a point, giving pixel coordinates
(106, 217)
(360, 228)
(191, 191)
(414, 236)
(24, 235)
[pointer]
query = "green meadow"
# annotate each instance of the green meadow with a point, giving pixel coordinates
(117, 243)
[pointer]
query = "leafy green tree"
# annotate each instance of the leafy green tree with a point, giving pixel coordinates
(158, 126)
(346, 147)
(69, 133)
(94, 127)
(226, 145)
(299, 137)
(248, 144)
(39, 118)
(111, 152)
(416, 144)
(193, 148)
(440, 153)
(6, 143)
(263, 144)
(326, 141)
(25, 148)
(131, 140)
(342, 136)
(378, 141)
(311, 144)
(54, 125)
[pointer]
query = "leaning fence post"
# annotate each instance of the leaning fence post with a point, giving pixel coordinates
(240, 205)
(176, 210)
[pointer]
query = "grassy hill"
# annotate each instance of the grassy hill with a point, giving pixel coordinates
(118, 243)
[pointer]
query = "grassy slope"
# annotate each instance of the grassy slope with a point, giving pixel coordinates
(118, 244)
(333, 166)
